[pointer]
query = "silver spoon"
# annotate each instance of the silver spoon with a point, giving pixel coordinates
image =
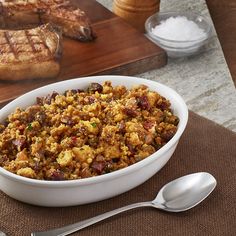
(179, 195)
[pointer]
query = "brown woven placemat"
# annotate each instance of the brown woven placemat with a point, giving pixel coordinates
(204, 146)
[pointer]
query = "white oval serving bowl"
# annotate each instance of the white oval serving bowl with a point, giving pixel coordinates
(82, 191)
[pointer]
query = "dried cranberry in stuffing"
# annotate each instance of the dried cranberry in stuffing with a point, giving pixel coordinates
(74, 91)
(168, 135)
(57, 175)
(80, 90)
(67, 121)
(37, 167)
(98, 166)
(163, 105)
(21, 128)
(143, 102)
(70, 122)
(130, 112)
(121, 127)
(95, 87)
(91, 100)
(54, 94)
(39, 101)
(148, 124)
(47, 99)
(131, 149)
(74, 139)
(40, 117)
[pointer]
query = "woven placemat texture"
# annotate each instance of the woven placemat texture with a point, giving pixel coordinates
(204, 146)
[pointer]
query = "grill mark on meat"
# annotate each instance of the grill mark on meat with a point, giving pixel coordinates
(73, 21)
(19, 45)
(11, 45)
(28, 51)
(30, 41)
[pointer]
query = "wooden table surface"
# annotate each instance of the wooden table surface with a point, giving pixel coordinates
(223, 14)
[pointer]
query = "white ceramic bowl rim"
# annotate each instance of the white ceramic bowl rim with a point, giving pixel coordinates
(112, 175)
(181, 13)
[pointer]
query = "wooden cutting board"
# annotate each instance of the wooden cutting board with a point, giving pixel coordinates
(118, 49)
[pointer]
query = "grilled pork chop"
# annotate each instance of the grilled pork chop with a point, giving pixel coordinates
(30, 53)
(28, 13)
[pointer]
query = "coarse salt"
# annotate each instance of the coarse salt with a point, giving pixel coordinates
(179, 28)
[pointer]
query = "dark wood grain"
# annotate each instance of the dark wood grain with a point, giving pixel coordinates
(118, 49)
(223, 14)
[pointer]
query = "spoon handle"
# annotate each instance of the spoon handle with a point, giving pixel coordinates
(69, 229)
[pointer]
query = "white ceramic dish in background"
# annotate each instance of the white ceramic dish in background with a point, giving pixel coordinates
(178, 48)
(82, 191)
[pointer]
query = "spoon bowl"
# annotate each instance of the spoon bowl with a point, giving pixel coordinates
(185, 192)
(179, 195)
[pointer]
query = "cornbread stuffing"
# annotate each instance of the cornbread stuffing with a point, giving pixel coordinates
(85, 133)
